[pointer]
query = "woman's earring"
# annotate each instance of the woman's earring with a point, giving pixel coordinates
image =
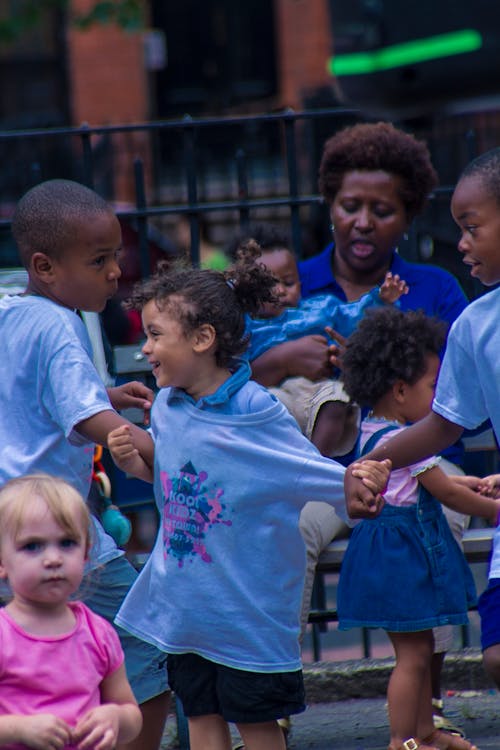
(332, 227)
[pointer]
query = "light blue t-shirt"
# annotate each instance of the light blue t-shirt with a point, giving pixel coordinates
(468, 388)
(225, 578)
(48, 385)
(309, 317)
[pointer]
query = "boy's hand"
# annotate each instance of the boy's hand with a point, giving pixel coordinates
(364, 482)
(392, 288)
(132, 395)
(98, 729)
(43, 732)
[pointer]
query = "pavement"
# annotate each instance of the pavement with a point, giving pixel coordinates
(347, 706)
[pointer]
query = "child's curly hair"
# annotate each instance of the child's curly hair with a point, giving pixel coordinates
(389, 345)
(197, 296)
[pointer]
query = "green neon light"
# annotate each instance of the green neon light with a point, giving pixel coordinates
(406, 53)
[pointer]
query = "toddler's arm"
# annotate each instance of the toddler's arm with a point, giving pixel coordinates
(116, 721)
(122, 446)
(39, 731)
(98, 427)
(458, 495)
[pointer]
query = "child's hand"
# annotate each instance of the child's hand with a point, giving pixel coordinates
(125, 455)
(392, 288)
(336, 351)
(490, 486)
(363, 483)
(133, 395)
(43, 732)
(98, 729)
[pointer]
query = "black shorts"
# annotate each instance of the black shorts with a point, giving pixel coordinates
(205, 687)
(489, 610)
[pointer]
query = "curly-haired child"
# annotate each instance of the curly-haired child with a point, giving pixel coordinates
(221, 590)
(403, 571)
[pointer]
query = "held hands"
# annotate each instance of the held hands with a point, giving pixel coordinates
(133, 395)
(392, 288)
(364, 482)
(125, 455)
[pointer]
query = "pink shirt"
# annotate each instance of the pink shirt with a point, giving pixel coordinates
(402, 488)
(58, 674)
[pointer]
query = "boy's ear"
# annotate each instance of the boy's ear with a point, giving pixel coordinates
(42, 266)
(204, 337)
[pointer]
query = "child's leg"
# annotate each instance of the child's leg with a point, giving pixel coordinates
(329, 427)
(409, 689)
(209, 732)
(491, 661)
(264, 736)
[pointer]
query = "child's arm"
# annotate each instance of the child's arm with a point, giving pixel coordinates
(116, 721)
(122, 446)
(428, 437)
(458, 496)
(308, 357)
(39, 731)
(98, 427)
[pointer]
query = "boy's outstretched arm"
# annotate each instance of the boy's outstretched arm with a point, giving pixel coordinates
(425, 438)
(132, 395)
(98, 427)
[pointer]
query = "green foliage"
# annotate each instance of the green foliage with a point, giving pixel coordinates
(27, 14)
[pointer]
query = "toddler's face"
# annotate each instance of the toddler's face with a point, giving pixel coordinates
(477, 214)
(281, 263)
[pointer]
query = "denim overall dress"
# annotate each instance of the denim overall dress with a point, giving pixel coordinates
(403, 571)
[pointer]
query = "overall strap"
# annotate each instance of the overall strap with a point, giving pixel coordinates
(373, 439)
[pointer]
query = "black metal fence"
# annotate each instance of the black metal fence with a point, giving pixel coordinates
(230, 171)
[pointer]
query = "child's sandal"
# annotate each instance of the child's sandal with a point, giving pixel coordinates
(445, 741)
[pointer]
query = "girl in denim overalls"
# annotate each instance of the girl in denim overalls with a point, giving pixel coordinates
(403, 571)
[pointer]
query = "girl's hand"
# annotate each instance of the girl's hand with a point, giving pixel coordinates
(98, 729)
(490, 486)
(133, 395)
(361, 501)
(125, 455)
(43, 732)
(392, 288)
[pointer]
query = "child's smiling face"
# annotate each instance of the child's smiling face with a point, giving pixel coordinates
(477, 213)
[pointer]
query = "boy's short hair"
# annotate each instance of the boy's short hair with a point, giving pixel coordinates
(44, 217)
(18, 498)
(487, 169)
(389, 345)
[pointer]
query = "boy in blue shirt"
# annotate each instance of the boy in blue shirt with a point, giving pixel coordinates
(54, 404)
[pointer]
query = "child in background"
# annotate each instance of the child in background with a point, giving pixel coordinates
(403, 571)
(323, 410)
(44, 542)
(54, 404)
(468, 388)
(221, 590)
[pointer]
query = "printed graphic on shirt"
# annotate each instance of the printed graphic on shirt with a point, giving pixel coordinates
(191, 509)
